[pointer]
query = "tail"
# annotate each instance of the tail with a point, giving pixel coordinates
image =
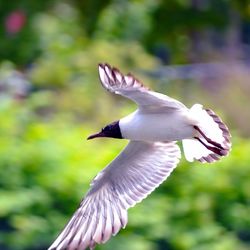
(212, 137)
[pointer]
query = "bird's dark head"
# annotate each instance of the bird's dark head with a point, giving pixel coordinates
(111, 130)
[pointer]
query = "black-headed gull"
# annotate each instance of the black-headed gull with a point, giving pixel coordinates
(148, 159)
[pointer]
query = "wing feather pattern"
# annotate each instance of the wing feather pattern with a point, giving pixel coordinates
(128, 179)
(130, 87)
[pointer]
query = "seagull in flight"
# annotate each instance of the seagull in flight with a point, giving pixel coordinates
(148, 159)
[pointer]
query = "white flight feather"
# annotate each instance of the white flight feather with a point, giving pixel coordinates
(128, 86)
(121, 185)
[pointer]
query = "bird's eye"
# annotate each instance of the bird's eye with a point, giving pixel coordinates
(108, 128)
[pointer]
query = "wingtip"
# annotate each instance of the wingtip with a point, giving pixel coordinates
(103, 65)
(227, 144)
(106, 68)
(112, 79)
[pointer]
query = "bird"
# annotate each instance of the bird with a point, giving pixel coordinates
(150, 156)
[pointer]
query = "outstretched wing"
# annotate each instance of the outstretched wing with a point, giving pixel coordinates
(128, 86)
(135, 173)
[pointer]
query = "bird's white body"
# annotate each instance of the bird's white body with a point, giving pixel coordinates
(162, 126)
(148, 159)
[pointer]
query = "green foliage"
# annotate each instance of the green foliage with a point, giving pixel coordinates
(43, 168)
(71, 59)
(46, 167)
(21, 46)
(46, 164)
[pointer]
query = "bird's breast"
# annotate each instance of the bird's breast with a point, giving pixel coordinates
(169, 126)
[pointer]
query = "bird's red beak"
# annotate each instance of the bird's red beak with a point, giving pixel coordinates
(100, 134)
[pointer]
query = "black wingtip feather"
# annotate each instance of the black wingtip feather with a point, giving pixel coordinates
(112, 81)
(220, 149)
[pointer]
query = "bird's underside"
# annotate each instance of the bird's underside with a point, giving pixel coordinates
(143, 165)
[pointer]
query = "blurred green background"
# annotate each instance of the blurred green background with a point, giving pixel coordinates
(51, 100)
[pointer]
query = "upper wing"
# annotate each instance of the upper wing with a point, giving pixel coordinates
(136, 172)
(127, 85)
